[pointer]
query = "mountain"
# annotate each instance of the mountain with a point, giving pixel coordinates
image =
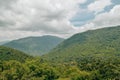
(12, 54)
(3, 42)
(103, 43)
(92, 55)
(35, 45)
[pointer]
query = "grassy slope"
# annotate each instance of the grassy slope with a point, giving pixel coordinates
(98, 43)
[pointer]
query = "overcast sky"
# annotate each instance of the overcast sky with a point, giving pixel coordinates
(22, 18)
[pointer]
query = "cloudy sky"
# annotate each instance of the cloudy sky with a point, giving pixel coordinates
(22, 18)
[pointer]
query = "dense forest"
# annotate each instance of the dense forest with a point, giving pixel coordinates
(38, 69)
(92, 55)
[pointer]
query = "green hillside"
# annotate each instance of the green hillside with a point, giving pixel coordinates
(98, 43)
(96, 52)
(92, 55)
(12, 54)
(35, 45)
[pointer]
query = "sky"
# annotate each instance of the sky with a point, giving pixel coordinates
(63, 18)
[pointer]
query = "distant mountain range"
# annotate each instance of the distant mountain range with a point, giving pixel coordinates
(3, 42)
(91, 55)
(103, 43)
(35, 45)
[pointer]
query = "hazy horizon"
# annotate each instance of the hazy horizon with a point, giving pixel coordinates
(23, 18)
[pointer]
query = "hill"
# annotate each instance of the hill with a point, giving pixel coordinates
(104, 43)
(3, 42)
(12, 54)
(35, 45)
(92, 55)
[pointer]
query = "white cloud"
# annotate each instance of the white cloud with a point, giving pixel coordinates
(29, 17)
(35, 15)
(21, 18)
(107, 19)
(9, 35)
(6, 35)
(99, 5)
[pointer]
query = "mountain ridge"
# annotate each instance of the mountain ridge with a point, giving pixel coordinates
(101, 42)
(35, 45)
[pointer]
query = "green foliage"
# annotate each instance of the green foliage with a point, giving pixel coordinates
(92, 55)
(37, 69)
(101, 68)
(102, 42)
(96, 52)
(12, 54)
(31, 69)
(35, 45)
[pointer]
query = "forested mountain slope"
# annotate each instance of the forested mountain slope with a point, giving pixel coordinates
(103, 43)
(12, 54)
(35, 45)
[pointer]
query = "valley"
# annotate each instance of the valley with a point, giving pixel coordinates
(91, 55)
